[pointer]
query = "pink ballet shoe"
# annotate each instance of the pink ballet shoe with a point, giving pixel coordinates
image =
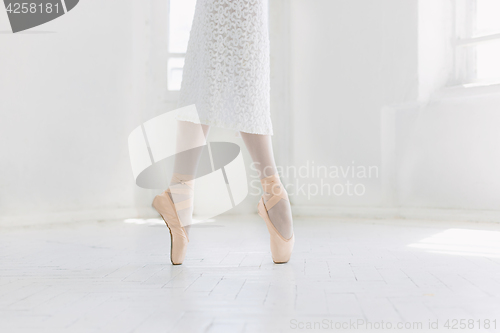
(281, 248)
(168, 211)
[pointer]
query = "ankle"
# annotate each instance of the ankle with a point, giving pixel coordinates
(272, 185)
(181, 181)
(178, 178)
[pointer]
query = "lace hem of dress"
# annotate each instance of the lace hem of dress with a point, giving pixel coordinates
(234, 127)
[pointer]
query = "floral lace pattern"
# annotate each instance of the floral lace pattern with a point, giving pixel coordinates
(227, 67)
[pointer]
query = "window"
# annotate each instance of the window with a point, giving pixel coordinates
(180, 18)
(477, 46)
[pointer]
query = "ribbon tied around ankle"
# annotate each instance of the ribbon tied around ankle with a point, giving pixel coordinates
(273, 185)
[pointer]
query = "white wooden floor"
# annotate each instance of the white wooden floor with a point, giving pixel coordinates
(116, 276)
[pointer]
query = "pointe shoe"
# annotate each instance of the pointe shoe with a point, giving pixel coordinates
(168, 210)
(281, 248)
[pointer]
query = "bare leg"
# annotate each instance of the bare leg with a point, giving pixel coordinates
(261, 150)
(186, 163)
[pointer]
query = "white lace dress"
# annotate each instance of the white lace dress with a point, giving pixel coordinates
(226, 72)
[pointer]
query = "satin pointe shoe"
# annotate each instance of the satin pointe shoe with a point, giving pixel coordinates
(168, 210)
(281, 248)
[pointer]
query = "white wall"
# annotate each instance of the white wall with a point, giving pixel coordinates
(68, 101)
(71, 91)
(368, 84)
(352, 81)
(348, 59)
(447, 156)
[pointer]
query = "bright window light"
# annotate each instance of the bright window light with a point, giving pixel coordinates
(175, 66)
(180, 19)
(464, 242)
(478, 42)
(488, 60)
(487, 17)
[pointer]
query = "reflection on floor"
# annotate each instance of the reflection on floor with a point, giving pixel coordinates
(116, 276)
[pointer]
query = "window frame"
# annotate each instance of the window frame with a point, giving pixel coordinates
(172, 95)
(465, 64)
